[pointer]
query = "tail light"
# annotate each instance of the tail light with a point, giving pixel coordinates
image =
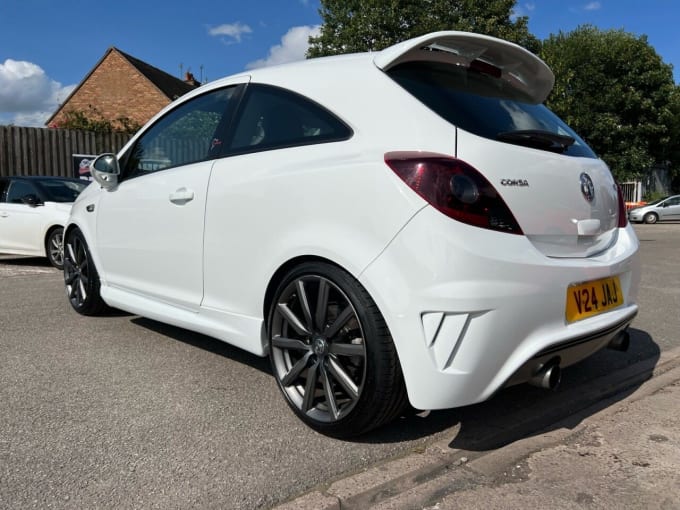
(454, 188)
(623, 213)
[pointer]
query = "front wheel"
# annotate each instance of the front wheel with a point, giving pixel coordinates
(650, 218)
(331, 352)
(80, 276)
(54, 247)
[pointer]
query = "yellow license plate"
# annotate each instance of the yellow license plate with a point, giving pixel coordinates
(591, 298)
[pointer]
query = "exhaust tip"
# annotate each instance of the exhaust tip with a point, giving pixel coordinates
(620, 342)
(548, 377)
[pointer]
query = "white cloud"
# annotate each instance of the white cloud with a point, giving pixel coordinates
(231, 30)
(27, 95)
(593, 6)
(520, 10)
(35, 119)
(294, 45)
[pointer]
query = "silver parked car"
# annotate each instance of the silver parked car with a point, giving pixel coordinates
(661, 210)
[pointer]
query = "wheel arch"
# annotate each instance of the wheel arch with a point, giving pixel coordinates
(70, 228)
(276, 279)
(48, 233)
(284, 268)
(380, 394)
(88, 232)
(650, 213)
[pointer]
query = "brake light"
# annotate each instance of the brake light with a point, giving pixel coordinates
(454, 188)
(623, 213)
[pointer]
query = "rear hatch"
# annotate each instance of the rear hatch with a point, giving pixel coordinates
(563, 197)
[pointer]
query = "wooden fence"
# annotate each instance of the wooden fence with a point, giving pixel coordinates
(46, 151)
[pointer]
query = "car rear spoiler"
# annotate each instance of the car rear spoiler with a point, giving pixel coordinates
(505, 60)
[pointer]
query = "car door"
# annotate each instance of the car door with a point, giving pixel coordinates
(21, 225)
(671, 209)
(150, 227)
(245, 187)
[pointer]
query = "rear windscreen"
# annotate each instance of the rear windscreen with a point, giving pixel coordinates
(481, 103)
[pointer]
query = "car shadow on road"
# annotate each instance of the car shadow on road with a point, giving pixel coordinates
(523, 411)
(206, 343)
(24, 261)
(512, 414)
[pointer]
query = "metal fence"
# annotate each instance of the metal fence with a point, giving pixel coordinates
(43, 151)
(632, 191)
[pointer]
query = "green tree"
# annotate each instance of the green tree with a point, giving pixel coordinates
(615, 91)
(351, 26)
(674, 146)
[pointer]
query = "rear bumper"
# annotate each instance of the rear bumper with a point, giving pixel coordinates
(478, 310)
(570, 351)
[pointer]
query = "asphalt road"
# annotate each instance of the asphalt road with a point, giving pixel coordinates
(124, 412)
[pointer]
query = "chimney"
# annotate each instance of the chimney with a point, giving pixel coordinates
(190, 80)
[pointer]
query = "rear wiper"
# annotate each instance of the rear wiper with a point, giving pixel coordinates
(537, 139)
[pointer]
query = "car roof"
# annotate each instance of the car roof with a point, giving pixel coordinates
(346, 83)
(41, 178)
(515, 64)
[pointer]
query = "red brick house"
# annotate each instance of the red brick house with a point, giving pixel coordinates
(122, 86)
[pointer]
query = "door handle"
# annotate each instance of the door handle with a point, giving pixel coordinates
(3, 214)
(181, 196)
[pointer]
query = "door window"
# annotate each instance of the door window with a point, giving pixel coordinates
(190, 133)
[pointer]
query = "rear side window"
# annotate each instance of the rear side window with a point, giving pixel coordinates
(481, 103)
(274, 118)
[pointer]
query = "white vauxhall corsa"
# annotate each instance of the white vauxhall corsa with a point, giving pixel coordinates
(410, 225)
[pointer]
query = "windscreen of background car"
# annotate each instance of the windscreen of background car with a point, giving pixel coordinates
(18, 190)
(62, 191)
(481, 103)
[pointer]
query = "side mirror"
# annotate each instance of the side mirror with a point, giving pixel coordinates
(105, 170)
(31, 200)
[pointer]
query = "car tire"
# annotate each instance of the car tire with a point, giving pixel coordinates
(81, 277)
(54, 247)
(650, 218)
(331, 352)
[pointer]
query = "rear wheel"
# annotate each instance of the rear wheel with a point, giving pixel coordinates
(81, 277)
(54, 247)
(331, 352)
(650, 218)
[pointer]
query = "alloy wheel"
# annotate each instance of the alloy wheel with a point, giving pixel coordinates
(56, 248)
(76, 271)
(318, 348)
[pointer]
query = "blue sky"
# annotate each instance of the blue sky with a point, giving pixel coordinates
(48, 46)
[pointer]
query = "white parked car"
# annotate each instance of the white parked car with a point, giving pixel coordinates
(410, 225)
(33, 211)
